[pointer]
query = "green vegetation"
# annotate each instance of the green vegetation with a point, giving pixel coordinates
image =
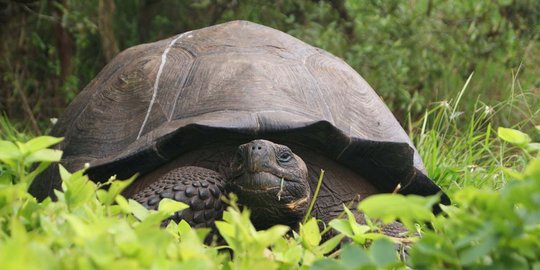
(93, 228)
(459, 147)
(453, 72)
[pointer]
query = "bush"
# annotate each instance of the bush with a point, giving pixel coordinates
(93, 228)
(486, 228)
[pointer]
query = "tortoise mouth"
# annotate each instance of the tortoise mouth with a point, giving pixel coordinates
(272, 199)
(258, 182)
(263, 189)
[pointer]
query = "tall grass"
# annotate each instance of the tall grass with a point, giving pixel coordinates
(10, 131)
(460, 147)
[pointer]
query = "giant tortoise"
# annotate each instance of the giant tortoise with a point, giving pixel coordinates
(237, 107)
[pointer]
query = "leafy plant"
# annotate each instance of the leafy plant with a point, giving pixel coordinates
(18, 158)
(250, 247)
(497, 229)
(89, 227)
(380, 255)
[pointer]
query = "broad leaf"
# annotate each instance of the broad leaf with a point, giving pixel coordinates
(390, 207)
(513, 136)
(8, 151)
(170, 207)
(310, 233)
(43, 155)
(40, 143)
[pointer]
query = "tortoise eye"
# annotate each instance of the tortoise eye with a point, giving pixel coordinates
(285, 157)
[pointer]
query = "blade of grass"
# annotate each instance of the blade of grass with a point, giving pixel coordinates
(310, 208)
(461, 93)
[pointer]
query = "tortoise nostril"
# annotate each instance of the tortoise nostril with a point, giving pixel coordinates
(256, 147)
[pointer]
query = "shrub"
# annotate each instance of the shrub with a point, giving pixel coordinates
(93, 228)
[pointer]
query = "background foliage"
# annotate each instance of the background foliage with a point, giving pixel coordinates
(414, 53)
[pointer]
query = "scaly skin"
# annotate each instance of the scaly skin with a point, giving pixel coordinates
(198, 187)
(267, 177)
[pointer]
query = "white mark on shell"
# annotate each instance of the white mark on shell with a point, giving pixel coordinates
(156, 82)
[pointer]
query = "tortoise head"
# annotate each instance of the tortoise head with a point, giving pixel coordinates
(272, 181)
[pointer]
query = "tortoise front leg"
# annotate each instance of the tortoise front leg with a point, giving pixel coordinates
(197, 187)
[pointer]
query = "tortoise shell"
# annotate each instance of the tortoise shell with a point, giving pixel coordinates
(156, 101)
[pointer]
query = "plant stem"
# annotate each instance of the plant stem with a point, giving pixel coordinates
(314, 196)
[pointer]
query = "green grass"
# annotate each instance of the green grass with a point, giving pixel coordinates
(460, 148)
(9, 131)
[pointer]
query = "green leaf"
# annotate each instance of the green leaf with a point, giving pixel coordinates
(474, 253)
(309, 258)
(384, 252)
(432, 247)
(108, 196)
(513, 136)
(330, 244)
(125, 238)
(228, 232)
(123, 203)
(183, 227)
(43, 155)
(516, 261)
(270, 236)
(293, 254)
(79, 226)
(327, 264)
(170, 207)
(138, 210)
(310, 233)
(532, 147)
(78, 189)
(8, 151)
(390, 207)
(64, 174)
(153, 220)
(533, 169)
(40, 143)
(352, 221)
(5, 179)
(512, 174)
(342, 226)
(353, 256)
(40, 168)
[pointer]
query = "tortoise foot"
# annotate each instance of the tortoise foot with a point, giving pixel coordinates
(197, 187)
